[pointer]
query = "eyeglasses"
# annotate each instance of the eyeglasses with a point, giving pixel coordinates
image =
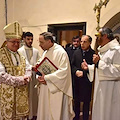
(13, 42)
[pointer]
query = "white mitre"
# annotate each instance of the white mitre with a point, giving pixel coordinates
(13, 30)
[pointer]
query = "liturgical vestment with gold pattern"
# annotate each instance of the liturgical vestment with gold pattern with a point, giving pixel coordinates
(13, 97)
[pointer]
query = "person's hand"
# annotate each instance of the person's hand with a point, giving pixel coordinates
(79, 73)
(84, 65)
(41, 79)
(26, 79)
(96, 58)
(34, 68)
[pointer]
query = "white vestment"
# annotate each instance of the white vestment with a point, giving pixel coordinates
(55, 98)
(106, 105)
(13, 80)
(33, 97)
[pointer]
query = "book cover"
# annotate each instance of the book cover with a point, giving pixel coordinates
(46, 66)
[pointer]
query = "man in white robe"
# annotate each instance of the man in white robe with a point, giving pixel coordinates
(106, 105)
(55, 95)
(15, 73)
(32, 55)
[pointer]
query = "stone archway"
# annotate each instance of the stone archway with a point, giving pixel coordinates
(114, 24)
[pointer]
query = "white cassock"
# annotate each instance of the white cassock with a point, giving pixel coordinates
(106, 105)
(31, 55)
(55, 98)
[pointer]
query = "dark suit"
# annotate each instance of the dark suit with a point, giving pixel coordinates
(70, 51)
(82, 85)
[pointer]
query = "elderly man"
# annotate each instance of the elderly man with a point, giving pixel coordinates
(106, 105)
(55, 97)
(32, 55)
(15, 73)
(83, 86)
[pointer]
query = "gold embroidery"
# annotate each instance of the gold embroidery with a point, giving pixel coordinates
(14, 100)
(16, 30)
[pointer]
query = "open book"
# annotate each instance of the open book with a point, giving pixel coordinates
(46, 67)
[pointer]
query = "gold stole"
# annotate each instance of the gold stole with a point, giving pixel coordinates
(13, 100)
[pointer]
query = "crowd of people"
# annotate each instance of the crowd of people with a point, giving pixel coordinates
(64, 93)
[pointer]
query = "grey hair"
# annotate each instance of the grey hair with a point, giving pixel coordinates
(108, 32)
(48, 36)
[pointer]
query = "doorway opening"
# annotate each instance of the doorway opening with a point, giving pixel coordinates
(65, 32)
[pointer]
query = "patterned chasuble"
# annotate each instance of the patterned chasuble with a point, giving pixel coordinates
(13, 100)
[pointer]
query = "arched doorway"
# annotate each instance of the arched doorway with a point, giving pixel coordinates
(114, 24)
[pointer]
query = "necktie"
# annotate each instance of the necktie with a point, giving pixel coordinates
(83, 53)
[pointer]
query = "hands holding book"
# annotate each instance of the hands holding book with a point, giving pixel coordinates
(41, 79)
(45, 67)
(40, 76)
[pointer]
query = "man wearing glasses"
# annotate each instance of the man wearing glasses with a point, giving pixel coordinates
(15, 73)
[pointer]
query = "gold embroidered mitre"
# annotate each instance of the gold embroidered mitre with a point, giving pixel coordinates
(13, 30)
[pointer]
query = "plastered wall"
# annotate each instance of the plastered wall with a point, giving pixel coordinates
(2, 20)
(34, 15)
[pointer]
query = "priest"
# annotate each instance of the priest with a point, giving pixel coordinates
(55, 95)
(15, 73)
